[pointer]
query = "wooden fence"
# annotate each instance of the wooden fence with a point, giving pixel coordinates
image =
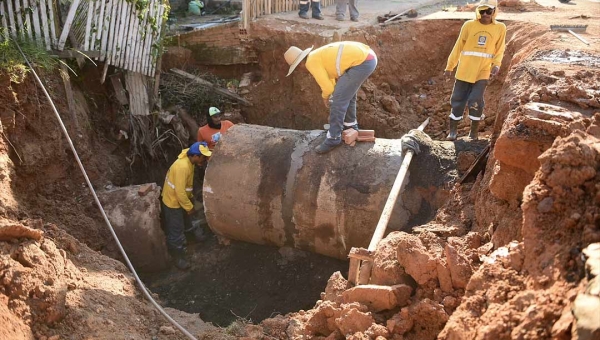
(122, 35)
(33, 19)
(252, 9)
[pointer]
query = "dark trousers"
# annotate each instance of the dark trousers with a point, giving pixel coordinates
(470, 94)
(176, 222)
(316, 7)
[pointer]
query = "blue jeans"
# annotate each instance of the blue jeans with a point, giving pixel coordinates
(316, 7)
(176, 222)
(342, 111)
(468, 93)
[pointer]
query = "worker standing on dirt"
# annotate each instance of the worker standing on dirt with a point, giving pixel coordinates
(340, 9)
(478, 51)
(340, 68)
(176, 201)
(212, 132)
(316, 9)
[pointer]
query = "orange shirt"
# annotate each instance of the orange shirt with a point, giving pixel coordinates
(212, 136)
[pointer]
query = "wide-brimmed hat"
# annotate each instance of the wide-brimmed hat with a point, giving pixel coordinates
(293, 56)
(199, 148)
(488, 3)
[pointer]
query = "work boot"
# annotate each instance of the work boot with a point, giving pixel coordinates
(328, 145)
(453, 127)
(303, 16)
(319, 17)
(339, 18)
(355, 19)
(179, 259)
(473, 134)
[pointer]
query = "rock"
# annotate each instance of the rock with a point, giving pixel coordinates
(585, 310)
(167, 330)
(336, 285)
(507, 182)
(444, 276)
(416, 259)
(464, 160)
(545, 205)
(378, 298)
(390, 104)
(12, 230)
(460, 269)
(352, 321)
(136, 220)
(145, 189)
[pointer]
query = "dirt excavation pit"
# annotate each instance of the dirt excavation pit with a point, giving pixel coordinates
(501, 255)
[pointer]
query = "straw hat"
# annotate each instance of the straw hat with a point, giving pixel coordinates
(488, 3)
(293, 56)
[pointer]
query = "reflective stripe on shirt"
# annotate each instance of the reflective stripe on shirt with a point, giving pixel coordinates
(478, 54)
(173, 186)
(338, 60)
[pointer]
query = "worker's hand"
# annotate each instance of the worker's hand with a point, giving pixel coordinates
(190, 212)
(326, 102)
(494, 71)
(447, 73)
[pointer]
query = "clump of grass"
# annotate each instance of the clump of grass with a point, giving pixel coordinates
(12, 62)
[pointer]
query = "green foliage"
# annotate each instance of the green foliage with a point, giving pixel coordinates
(13, 63)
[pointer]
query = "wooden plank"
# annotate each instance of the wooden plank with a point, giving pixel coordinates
(4, 22)
(35, 13)
(353, 271)
(139, 49)
(52, 24)
(211, 86)
(69, 92)
(117, 22)
(20, 27)
(112, 31)
(361, 254)
(95, 24)
(88, 25)
(121, 37)
(134, 41)
(148, 40)
(27, 15)
(11, 18)
(128, 64)
(45, 27)
(105, 29)
(67, 26)
(157, 38)
(120, 93)
(97, 38)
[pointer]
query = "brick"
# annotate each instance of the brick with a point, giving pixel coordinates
(366, 133)
(365, 139)
(145, 189)
(349, 136)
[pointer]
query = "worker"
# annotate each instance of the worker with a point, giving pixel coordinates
(177, 204)
(340, 68)
(212, 132)
(478, 52)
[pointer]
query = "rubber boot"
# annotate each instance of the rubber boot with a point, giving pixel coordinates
(473, 134)
(328, 145)
(179, 259)
(453, 128)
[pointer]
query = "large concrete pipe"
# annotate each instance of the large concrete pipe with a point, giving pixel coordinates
(268, 186)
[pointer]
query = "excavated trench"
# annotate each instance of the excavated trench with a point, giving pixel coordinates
(285, 205)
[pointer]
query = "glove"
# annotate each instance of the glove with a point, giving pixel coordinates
(410, 142)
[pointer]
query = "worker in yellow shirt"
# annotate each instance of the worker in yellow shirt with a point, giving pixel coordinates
(177, 203)
(340, 68)
(478, 52)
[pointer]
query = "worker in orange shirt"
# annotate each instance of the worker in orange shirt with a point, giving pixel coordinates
(212, 132)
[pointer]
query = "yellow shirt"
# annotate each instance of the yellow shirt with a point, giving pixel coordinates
(478, 48)
(177, 190)
(322, 62)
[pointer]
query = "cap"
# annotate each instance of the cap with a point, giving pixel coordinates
(213, 111)
(199, 148)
